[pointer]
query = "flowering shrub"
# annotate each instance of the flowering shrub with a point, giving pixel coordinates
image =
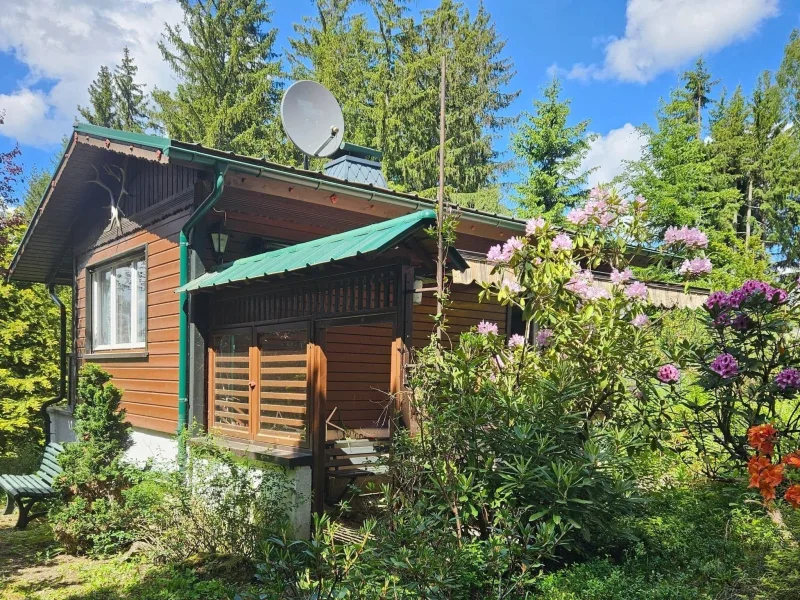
(748, 376)
(766, 475)
(600, 329)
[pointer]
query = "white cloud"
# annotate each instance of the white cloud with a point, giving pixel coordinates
(63, 43)
(664, 34)
(608, 153)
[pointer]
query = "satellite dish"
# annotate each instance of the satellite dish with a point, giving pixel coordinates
(312, 118)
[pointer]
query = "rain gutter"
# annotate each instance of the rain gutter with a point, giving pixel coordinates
(183, 331)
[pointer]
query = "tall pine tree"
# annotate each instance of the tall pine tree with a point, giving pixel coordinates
(339, 50)
(477, 77)
(129, 98)
(698, 86)
(789, 76)
(102, 109)
(553, 152)
(228, 74)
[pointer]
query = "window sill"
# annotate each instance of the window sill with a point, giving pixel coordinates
(283, 456)
(116, 355)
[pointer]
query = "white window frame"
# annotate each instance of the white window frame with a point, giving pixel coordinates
(130, 261)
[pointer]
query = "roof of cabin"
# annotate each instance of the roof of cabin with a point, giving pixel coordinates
(43, 254)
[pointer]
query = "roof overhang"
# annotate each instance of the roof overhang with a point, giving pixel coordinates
(365, 242)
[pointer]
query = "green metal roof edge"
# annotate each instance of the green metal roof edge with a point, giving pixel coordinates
(409, 224)
(129, 137)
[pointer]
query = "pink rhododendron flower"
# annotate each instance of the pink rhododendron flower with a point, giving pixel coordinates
(620, 277)
(639, 203)
(512, 245)
(669, 374)
(543, 337)
(640, 321)
(485, 328)
(561, 242)
(516, 341)
(512, 286)
(695, 267)
(725, 366)
(495, 254)
(636, 291)
(689, 237)
(582, 285)
(577, 216)
(534, 225)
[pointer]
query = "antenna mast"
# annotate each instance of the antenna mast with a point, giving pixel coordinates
(440, 212)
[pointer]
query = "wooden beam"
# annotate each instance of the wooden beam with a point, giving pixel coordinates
(318, 367)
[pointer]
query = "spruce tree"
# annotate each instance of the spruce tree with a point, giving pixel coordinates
(228, 91)
(553, 152)
(698, 86)
(102, 107)
(477, 77)
(789, 76)
(339, 50)
(129, 98)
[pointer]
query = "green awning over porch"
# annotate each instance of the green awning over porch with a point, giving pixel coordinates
(370, 240)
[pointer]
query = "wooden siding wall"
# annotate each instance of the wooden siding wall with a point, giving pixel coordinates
(359, 374)
(464, 312)
(149, 383)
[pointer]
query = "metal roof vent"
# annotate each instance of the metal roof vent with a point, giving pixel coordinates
(357, 164)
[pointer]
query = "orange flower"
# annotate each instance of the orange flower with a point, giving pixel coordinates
(762, 438)
(755, 466)
(765, 476)
(793, 459)
(792, 496)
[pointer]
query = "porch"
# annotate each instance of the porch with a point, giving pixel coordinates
(306, 348)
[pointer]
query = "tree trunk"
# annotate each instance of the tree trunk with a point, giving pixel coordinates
(699, 117)
(749, 211)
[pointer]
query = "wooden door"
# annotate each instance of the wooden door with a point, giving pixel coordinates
(282, 398)
(230, 382)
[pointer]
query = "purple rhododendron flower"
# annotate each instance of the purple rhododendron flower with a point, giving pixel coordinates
(717, 301)
(561, 242)
(640, 321)
(725, 366)
(741, 322)
(534, 225)
(620, 277)
(485, 328)
(695, 267)
(543, 337)
(687, 236)
(669, 374)
(722, 320)
(788, 379)
(636, 291)
(516, 341)
(752, 289)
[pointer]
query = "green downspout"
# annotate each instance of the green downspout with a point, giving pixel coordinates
(183, 331)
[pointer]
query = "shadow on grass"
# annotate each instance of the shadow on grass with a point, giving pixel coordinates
(32, 567)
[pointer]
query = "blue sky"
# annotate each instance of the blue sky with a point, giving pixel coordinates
(617, 57)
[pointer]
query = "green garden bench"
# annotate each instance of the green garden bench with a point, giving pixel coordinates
(27, 490)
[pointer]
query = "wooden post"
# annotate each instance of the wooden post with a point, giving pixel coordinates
(440, 215)
(319, 374)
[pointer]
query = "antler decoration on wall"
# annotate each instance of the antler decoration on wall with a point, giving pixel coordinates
(120, 174)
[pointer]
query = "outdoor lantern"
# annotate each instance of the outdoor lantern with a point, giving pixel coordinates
(418, 285)
(220, 240)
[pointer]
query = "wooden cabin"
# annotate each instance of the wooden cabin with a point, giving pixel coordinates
(272, 305)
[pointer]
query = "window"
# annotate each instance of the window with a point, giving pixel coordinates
(119, 301)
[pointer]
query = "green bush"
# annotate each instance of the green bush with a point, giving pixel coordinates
(94, 517)
(218, 505)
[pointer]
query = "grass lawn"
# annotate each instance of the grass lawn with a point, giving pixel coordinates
(31, 567)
